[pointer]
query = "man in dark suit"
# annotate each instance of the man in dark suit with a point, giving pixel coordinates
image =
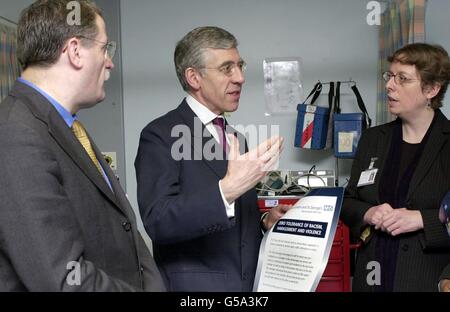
(65, 222)
(200, 209)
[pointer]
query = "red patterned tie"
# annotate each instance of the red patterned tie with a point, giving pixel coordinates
(219, 123)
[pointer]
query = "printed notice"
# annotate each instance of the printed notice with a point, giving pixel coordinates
(345, 144)
(294, 253)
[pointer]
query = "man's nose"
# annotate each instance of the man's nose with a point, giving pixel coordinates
(238, 76)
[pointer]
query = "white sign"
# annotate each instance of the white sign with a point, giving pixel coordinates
(294, 253)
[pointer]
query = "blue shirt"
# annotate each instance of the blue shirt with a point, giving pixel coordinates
(67, 116)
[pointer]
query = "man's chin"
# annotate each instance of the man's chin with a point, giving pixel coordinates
(233, 107)
(92, 103)
(100, 98)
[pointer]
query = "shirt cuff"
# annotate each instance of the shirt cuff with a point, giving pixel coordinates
(229, 208)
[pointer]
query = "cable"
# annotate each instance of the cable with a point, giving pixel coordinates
(287, 186)
(273, 176)
(346, 182)
(309, 172)
(307, 175)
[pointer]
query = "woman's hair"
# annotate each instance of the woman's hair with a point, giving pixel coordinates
(431, 62)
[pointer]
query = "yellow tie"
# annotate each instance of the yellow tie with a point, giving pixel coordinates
(81, 135)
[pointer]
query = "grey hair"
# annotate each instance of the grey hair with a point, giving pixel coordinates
(189, 51)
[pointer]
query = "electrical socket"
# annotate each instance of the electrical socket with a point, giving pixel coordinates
(111, 159)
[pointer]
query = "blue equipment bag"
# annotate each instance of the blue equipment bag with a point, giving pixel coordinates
(312, 123)
(348, 127)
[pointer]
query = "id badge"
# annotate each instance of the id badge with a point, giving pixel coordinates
(367, 177)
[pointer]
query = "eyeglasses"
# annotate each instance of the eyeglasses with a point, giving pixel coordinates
(399, 78)
(228, 68)
(109, 47)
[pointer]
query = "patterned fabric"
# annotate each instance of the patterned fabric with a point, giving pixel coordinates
(403, 22)
(81, 135)
(9, 65)
(219, 123)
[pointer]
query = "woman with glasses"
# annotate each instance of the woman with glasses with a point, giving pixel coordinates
(399, 177)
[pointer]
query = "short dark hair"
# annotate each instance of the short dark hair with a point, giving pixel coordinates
(43, 29)
(189, 51)
(432, 64)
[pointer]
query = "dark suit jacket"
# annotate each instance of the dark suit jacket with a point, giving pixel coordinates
(56, 208)
(422, 254)
(196, 246)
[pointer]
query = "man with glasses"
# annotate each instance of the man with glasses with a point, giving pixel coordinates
(65, 222)
(200, 209)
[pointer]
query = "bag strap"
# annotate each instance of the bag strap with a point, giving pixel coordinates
(316, 91)
(361, 105)
(337, 98)
(331, 96)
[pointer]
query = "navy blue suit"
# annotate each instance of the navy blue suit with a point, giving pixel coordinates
(196, 246)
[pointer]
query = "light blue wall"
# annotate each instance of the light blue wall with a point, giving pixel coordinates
(11, 9)
(437, 30)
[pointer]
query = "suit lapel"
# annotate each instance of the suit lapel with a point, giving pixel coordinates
(383, 146)
(119, 196)
(244, 212)
(58, 129)
(218, 166)
(200, 136)
(435, 143)
(70, 144)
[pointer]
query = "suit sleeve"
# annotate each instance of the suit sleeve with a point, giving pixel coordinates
(39, 232)
(169, 213)
(435, 235)
(353, 208)
(152, 276)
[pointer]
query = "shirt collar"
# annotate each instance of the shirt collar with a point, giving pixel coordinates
(66, 115)
(202, 112)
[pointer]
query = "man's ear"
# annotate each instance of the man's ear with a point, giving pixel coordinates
(193, 78)
(74, 53)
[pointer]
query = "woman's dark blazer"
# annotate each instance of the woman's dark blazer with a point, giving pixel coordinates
(423, 254)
